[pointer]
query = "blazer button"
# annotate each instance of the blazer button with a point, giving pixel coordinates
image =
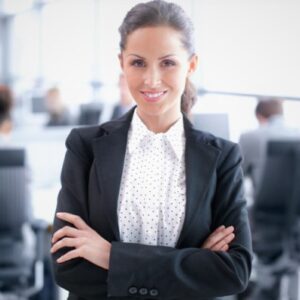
(143, 291)
(153, 292)
(132, 290)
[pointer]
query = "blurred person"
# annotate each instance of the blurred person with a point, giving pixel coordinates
(59, 115)
(6, 103)
(149, 207)
(126, 100)
(49, 290)
(269, 114)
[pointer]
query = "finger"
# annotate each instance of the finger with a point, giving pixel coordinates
(215, 238)
(73, 219)
(65, 231)
(69, 255)
(219, 229)
(207, 241)
(220, 235)
(66, 242)
(225, 241)
(225, 248)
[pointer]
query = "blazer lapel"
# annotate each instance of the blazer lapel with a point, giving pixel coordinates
(109, 152)
(200, 163)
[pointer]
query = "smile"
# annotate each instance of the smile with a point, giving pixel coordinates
(153, 96)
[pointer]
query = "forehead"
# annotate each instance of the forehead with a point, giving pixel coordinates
(157, 41)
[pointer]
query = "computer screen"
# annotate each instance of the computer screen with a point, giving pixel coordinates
(215, 123)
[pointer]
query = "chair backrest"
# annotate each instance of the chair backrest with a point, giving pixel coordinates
(277, 203)
(12, 157)
(278, 180)
(90, 114)
(15, 208)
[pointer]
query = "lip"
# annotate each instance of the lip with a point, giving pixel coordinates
(153, 96)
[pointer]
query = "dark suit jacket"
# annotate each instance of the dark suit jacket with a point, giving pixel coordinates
(91, 177)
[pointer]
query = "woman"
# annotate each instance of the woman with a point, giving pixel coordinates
(148, 204)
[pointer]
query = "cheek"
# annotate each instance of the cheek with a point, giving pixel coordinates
(177, 80)
(132, 80)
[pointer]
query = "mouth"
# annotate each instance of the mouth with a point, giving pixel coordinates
(153, 96)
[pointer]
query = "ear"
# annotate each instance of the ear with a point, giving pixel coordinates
(193, 63)
(120, 56)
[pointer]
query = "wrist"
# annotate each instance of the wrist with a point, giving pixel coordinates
(107, 251)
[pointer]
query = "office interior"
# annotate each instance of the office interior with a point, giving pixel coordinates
(247, 50)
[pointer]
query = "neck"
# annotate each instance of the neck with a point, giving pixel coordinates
(158, 123)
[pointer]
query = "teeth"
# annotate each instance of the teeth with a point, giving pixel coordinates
(153, 95)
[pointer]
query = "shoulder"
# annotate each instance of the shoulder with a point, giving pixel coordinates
(80, 140)
(227, 150)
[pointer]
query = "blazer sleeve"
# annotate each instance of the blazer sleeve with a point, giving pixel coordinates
(191, 273)
(78, 276)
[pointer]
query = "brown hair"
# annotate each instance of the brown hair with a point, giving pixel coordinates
(6, 102)
(162, 13)
(268, 107)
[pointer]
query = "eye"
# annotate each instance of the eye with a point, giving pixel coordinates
(168, 63)
(138, 63)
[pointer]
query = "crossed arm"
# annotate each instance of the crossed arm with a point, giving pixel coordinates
(82, 257)
(88, 244)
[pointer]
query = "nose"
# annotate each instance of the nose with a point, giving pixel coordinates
(152, 77)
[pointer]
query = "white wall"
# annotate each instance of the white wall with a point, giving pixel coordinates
(249, 46)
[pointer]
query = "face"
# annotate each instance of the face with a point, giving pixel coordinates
(156, 66)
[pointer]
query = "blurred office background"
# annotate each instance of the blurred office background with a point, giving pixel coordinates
(247, 49)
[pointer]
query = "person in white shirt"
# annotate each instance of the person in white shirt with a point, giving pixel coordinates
(150, 207)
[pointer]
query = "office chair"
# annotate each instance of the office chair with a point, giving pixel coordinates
(21, 237)
(276, 215)
(90, 114)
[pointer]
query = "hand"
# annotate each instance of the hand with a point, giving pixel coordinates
(87, 243)
(219, 240)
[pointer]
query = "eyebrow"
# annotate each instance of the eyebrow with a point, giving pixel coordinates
(163, 57)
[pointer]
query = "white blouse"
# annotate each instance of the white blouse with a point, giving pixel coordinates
(152, 198)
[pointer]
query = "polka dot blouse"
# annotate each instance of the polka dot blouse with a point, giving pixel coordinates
(152, 196)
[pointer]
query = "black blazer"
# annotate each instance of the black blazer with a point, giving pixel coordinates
(91, 178)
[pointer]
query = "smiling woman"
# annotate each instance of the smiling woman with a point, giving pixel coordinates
(149, 206)
(156, 66)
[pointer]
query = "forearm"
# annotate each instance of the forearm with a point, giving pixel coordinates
(177, 273)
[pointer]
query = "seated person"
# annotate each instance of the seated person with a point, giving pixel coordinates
(270, 117)
(27, 240)
(6, 103)
(58, 113)
(269, 113)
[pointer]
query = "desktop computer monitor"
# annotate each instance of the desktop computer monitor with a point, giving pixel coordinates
(215, 123)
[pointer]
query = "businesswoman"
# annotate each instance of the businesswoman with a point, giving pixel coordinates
(151, 208)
